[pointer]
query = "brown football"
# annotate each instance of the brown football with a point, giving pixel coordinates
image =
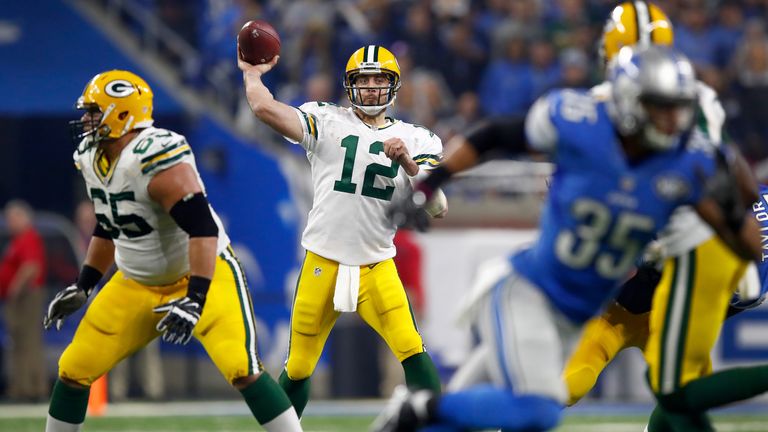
(259, 42)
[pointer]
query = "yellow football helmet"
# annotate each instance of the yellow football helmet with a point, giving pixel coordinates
(634, 23)
(124, 100)
(371, 59)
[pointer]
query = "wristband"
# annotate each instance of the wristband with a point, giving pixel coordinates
(88, 279)
(198, 288)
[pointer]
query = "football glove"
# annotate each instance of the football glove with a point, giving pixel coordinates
(750, 292)
(409, 211)
(64, 304)
(181, 316)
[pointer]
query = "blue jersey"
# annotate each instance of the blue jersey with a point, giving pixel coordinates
(760, 211)
(601, 210)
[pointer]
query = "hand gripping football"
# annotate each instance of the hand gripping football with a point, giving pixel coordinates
(259, 42)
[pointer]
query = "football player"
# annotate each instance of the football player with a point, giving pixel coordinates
(177, 275)
(361, 162)
(623, 165)
(700, 272)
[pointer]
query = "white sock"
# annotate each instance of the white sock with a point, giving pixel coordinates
(56, 425)
(646, 428)
(285, 422)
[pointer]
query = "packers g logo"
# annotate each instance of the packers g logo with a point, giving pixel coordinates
(119, 88)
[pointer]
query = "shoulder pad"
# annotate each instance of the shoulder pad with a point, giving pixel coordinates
(160, 149)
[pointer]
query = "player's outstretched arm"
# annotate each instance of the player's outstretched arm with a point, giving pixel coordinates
(277, 115)
(727, 202)
(98, 259)
(179, 192)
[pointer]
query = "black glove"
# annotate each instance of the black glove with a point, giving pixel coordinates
(181, 317)
(409, 212)
(70, 299)
(182, 314)
(65, 303)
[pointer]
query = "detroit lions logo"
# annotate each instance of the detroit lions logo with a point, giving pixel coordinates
(671, 187)
(119, 88)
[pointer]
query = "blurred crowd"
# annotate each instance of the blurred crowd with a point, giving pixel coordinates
(465, 59)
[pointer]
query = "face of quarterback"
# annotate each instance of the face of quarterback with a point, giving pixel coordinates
(373, 88)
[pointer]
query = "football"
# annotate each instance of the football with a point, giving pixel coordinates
(259, 42)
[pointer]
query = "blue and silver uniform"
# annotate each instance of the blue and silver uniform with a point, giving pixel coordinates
(602, 209)
(760, 212)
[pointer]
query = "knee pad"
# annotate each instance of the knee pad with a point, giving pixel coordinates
(406, 341)
(299, 368)
(306, 317)
(75, 368)
(579, 382)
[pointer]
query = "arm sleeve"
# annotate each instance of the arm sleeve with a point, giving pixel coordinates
(160, 151)
(429, 152)
(309, 115)
(505, 134)
(540, 132)
(712, 112)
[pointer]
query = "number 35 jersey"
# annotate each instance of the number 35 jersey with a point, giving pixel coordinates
(149, 247)
(602, 209)
(355, 183)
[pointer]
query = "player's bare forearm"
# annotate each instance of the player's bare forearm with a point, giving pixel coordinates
(202, 256)
(275, 114)
(745, 178)
(395, 149)
(745, 243)
(409, 165)
(462, 157)
(100, 254)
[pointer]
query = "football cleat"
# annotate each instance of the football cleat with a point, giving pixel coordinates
(405, 412)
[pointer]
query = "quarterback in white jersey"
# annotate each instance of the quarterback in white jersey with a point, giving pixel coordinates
(354, 179)
(176, 274)
(361, 160)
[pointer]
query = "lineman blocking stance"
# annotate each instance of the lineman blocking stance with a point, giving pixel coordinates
(177, 275)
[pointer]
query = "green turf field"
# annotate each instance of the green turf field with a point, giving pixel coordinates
(576, 423)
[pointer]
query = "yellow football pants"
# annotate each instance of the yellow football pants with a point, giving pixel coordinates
(602, 338)
(120, 321)
(688, 311)
(716, 273)
(382, 304)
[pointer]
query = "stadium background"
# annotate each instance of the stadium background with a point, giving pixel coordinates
(462, 61)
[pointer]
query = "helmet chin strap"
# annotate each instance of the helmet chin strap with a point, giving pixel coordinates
(374, 110)
(657, 140)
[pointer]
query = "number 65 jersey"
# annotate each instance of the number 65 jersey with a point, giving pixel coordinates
(355, 183)
(602, 208)
(149, 247)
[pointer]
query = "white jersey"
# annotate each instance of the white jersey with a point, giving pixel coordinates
(685, 229)
(149, 247)
(355, 183)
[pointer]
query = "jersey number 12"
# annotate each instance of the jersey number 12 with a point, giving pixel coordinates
(371, 171)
